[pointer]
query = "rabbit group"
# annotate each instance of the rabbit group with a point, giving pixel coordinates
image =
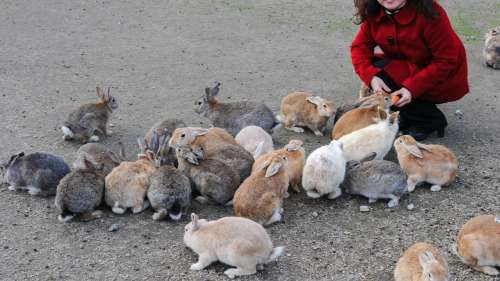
(177, 163)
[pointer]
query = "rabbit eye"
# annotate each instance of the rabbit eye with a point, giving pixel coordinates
(183, 135)
(324, 105)
(199, 103)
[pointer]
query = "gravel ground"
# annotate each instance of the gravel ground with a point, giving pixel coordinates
(158, 56)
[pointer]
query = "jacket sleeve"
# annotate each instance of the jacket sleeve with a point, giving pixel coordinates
(438, 35)
(362, 54)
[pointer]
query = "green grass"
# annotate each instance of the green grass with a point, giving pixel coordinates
(238, 5)
(465, 29)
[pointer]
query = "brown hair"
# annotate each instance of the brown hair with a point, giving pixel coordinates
(367, 8)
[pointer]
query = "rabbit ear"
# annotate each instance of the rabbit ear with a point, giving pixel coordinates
(370, 157)
(424, 147)
(115, 158)
(189, 156)
(195, 221)
(352, 164)
(199, 132)
(264, 165)
(394, 117)
(107, 95)
(413, 150)
(294, 145)
(100, 93)
(198, 152)
(122, 151)
(382, 114)
(141, 144)
(273, 169)
(315, 100)
(14, 157)
(426, 259)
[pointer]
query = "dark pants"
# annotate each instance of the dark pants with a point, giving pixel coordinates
(418, 114)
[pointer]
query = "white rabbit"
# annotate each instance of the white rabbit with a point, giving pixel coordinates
(255, 140)
(376, 138)
(235, 241)
(324, 171)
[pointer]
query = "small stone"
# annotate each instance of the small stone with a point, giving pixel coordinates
(364, 208)
(315, 214)
(459, 113)
(111, 124)
(410, 207)
(114, 227)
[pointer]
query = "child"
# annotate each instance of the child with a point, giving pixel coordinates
(422, 59)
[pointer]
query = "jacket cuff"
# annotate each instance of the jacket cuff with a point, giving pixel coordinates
(415, 89)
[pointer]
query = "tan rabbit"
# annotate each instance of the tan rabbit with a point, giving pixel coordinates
(306, 109)
(478, 244)
(127, 184)
(209, 139)
(492, 48)
(234, 241)
(83, 123)
(431, 163)
(422, 262)
(358, 118)
(296, 156)
(261, 195)
(366, 99)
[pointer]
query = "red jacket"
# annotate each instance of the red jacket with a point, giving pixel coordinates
(434, 65)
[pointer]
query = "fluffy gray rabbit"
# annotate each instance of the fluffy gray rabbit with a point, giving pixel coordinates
(214, 180)
(38, 173)
(234, 116)
(99, 154)
(83, 123)
(235, 157)
(169, 193)
(375, 179)
(165, 128)
(80, 192)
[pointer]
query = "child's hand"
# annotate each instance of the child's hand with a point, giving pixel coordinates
(378, 85)
(405, 97)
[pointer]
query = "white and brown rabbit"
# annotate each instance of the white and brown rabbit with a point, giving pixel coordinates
(99, 154)
(303, 109)
(260, 196)
(214, 180)
(492, 48)
(37, 173)
(209, 139)
(80, 192)
(422, 262)
(431, 163)
(478, 244)
(376, 138)
(127, 184)
(234, 116)
(358, 118)
(165, 128)
(255, 140)
(235, 241)
(83, 123)
(296, 155)
(375, 179)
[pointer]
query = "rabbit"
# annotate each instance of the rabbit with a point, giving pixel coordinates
(165, 127)
(255, 140)
(38, 173)
(422, 262)
(431, 163)
(375, 179)
(324, 171)
(209, 139)
(366, 99)
(81, 191)
(306, 109)
(492, 48)
(478, 244)
(83, 123)
(169, 193)
(296, 155)
(98, 153)
(376, 138)
(261, 195)
(234, 156)
(234, 241)
(214, 180)
(358, 118)
(236, 115)
(127, 184)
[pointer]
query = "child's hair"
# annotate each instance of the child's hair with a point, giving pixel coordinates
(367, 8)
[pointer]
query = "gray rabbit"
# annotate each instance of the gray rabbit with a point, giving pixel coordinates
(38, 173)
(99, 154)
(165, 128)
(236, 115)
(214, 180)
(169, 193)
(235, 157)
(80, 192)
(375, 179)
(83, 123)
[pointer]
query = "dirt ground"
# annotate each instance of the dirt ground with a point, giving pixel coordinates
(158, 56)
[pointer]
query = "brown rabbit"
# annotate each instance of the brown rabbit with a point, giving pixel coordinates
(358, 118)
(165, 128)
(431, 163)
(422, 262)
(209, 139)
(295, 165)
(306, 109)
(88, 119)
(479, 244)
(381, 99)
(261, 195)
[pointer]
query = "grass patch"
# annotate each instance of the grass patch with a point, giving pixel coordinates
(465, 28)
(238, 5)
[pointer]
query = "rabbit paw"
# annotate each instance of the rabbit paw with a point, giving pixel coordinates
(197, 266)
(393, 203)
(313, 194)
(435, 188)
(65, 218)
(12, 188)
(488, 270)
(33, 190)
(286, 194)
(335, 194)
(297, 129)
(94, 138)
(318, 133)
(372, 200)
(161, 214)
